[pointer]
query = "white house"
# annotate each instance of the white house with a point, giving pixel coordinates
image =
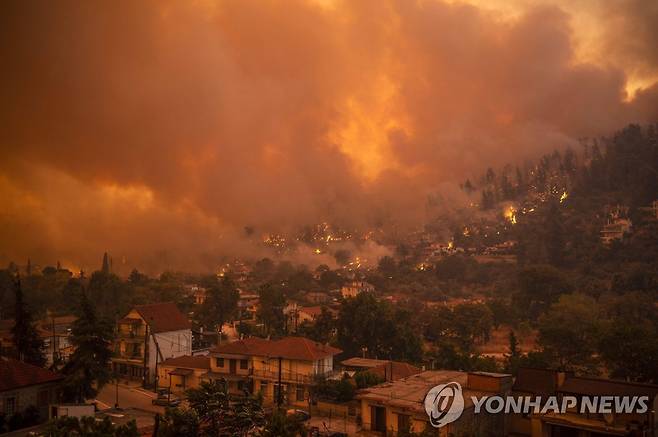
(147, 336)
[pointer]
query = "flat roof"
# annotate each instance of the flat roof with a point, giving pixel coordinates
(409, 393)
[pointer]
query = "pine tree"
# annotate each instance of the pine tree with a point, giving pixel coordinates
(27, 342)
(106, 264)
(88, 368)
(554, 240)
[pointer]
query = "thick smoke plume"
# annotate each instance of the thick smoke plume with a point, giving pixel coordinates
(157, 130)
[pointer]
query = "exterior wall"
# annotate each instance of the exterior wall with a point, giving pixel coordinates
(226, 368)
(237, 380)
(296, 371)
(520, 424)
(172, 344)
(488, 383)
(324, 366)
(469, 424)
(366, 420)
(71, 410)
(296, 375)
(40, 396)
(129, 347)
(290, 392)
(179, 383)
(417, 423)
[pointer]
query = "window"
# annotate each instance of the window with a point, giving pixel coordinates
(240, 385)
(283, 389)
(244, 364)
(10, 406)
(263, 387)
(404, 422)
(219, 362)
(300, 393)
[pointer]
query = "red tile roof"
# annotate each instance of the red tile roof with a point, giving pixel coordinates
(163, 317)
(189, 362)
(16, 374)
(240, 347)
(297, 348)
(313, 311)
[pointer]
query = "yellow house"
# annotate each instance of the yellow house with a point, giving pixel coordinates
(391, 407)
(258, 365)
(181, 373)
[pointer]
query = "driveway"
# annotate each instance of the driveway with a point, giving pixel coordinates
(135, 397)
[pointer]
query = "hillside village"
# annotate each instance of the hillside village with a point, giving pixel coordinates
(529, 294)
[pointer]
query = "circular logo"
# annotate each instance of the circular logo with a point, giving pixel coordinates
(444, 404)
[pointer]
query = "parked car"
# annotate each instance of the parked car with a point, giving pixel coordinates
(300, 415)
(165, 399)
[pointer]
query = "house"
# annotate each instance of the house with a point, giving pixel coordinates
(399, 405)
(248, 304)
(55, 332)
(539, 382)
(258, 364)
(354, 288)
(200, 295)
(386, 370)
(317, 297)
(296, 315)
(180, 373)
(615, 230)
(148, 335)
(23, 385)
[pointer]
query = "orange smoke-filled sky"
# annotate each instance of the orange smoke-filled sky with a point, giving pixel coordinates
(156, 129)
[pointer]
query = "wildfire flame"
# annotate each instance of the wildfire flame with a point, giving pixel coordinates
(510, 214)
(564, 196)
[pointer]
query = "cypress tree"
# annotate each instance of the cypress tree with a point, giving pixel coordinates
(106, 264)
(29, 346)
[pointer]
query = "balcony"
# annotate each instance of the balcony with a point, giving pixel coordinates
(131, 336)
(273, 375)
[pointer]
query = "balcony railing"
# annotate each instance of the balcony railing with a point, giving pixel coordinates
(131, 335)
(285, 376)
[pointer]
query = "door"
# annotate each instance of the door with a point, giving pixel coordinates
(378, 419)
(232, 366)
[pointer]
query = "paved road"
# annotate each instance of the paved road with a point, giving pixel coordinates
(135, 397)
(335, 424)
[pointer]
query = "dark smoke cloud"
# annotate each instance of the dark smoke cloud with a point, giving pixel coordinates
(158, 129)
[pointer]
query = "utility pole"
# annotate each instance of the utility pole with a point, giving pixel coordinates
(116, 394)
(52, 319)
(279, 399)
(146, 352)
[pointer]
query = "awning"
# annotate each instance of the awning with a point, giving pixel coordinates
(181, 372)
